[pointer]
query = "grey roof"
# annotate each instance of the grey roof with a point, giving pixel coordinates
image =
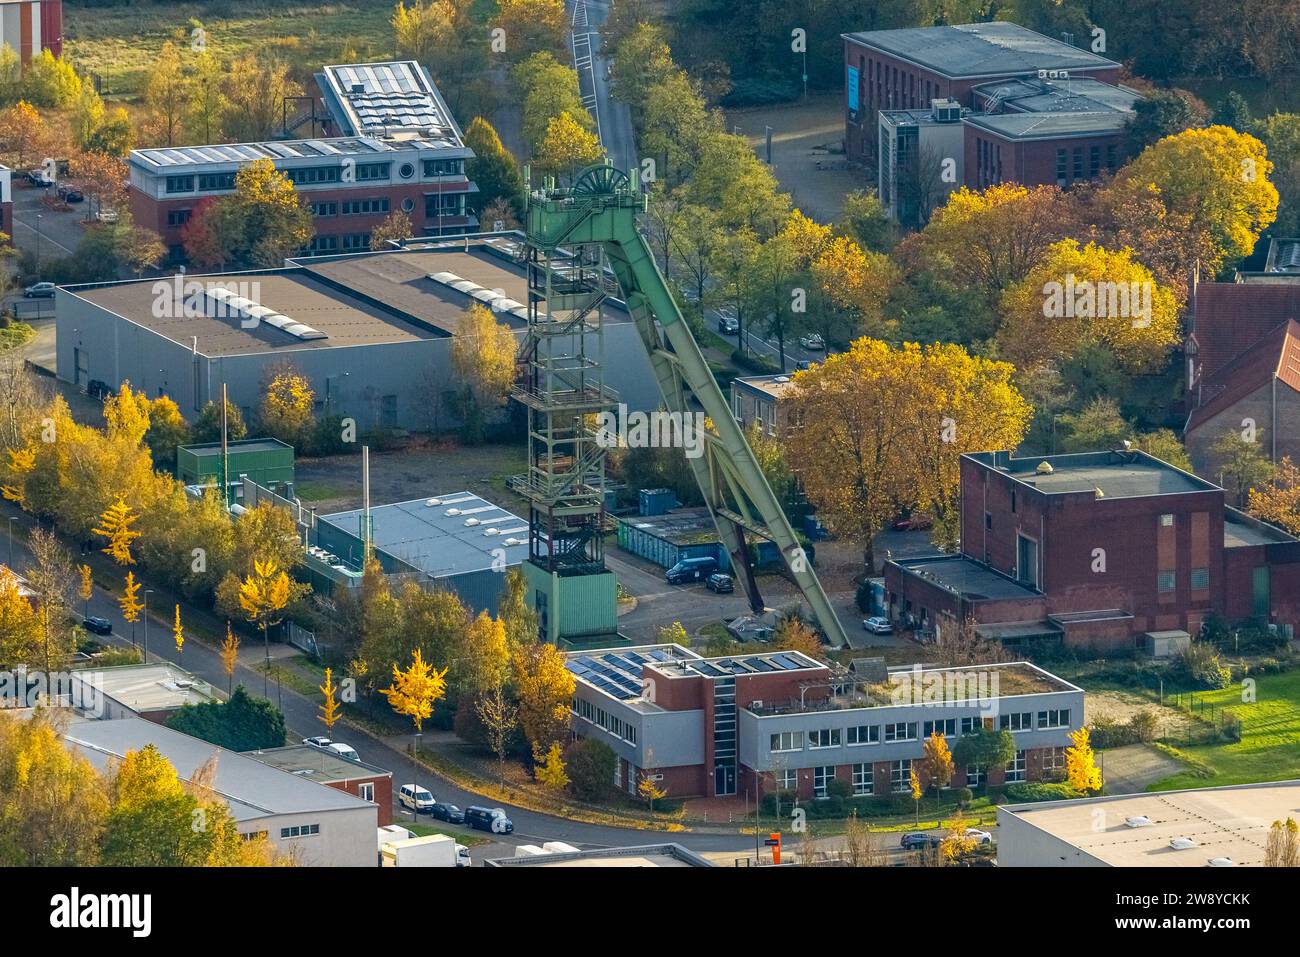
(967, 577)
(251, 789)
(231, 156)
(204, 449)
(445, 535)
(1031, 94)
(1117, 474)
(981, 49)
(1026, 126)
(316, 764)
(338, 317)
(375, 98)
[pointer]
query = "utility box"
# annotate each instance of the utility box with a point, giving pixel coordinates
(657, 501)
(268, 462)
(1166, 644)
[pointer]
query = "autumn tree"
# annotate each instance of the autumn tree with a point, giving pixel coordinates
(396, 228)
(547, 88)
(1218, 177)
(288, 403)
(550, 771)
(445, 36)
(25, 137)
(255, 90)
(20, 632)
(545, 687)
(205, 105)
(1081, 771)
(493, 169)
(165, 97)
(52, 801)
(853, 286)
(935, 767)
(566, 147)
(532, 26)
(229, 654)
(791, 634)
(130, 603)
(263, 594)
(1237, 459)
(1083, 295)
(51, 579)
(483, 358)
(329, 706)
(167, 431)
(499, 717)
(207, 425)
(115, 525)
(1276, 499)
(1283, 846)
(485, 656)
(883, 429)
(672, 634)
(521, 620)
(262, 223)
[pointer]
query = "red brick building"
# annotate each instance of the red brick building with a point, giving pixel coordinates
(404, 153)
(1243, 364)
(1098, 551)
(907, 69)
(361, 780)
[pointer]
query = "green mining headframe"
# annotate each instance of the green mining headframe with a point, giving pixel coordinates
(601, 207)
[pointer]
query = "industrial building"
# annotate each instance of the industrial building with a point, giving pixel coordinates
(371, 332)
(1198, 827)
(30, 26)
(933, 109)
(1097, 551)
(781, 721)
(649, 855)
(398, 148)
(456, 541)
(758, 398)
(321, 826)
(153, 691)
(365, 781)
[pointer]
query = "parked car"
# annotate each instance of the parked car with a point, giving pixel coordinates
(344, 751)
(319, 741)
(720, 583)
(39, 290)
(447, 812)
(415, 798)
(691, 570)
(38, 177)
(914, 840)
(878, 625)
(71, 195)
(728, 324)
(489, 819)
(978, 836)
(98, 626)
(812, 341)
(802, 364)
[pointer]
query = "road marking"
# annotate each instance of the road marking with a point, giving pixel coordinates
(44, 237)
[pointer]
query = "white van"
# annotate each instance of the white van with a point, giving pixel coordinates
(414, 797)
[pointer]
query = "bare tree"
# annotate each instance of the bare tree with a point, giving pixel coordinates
(862, 846)
(52, 578)
(964, 646)
(500, 717)
(920, 183)
(1283, 848)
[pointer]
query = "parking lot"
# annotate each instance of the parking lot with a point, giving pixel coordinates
(55, 233)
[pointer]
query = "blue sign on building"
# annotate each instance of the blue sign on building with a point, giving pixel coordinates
(853, 89)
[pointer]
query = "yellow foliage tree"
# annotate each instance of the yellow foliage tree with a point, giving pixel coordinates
(130, 602)
(883, 429)
(1083, 295)
(1277, 500)
(178, 632)
(567, 147)
(1081, 769)
(545, 688)
(550, 772)
(483, 357)
(287, 406)
(229, 656)
(115, 525)
(416, 689)
(329, 707)
(20, 631)
(21, 463)
(935, 768)
(86, 591)
(1216, 176)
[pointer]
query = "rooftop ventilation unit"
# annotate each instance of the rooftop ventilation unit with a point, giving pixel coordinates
(1139, 821)
(1044, 468)
(494, 299)
(1182, 843)
(430, 503)
(1220, 862)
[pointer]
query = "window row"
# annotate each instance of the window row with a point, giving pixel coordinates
(604, 720)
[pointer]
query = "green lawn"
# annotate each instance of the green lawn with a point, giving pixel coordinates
(1269, 749)
(468, 838)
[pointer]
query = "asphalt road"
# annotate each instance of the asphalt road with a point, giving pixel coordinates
(615, 118)
(302, 720)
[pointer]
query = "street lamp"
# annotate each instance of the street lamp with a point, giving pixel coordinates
(38, 244)
(12, 519)
(147, 593)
